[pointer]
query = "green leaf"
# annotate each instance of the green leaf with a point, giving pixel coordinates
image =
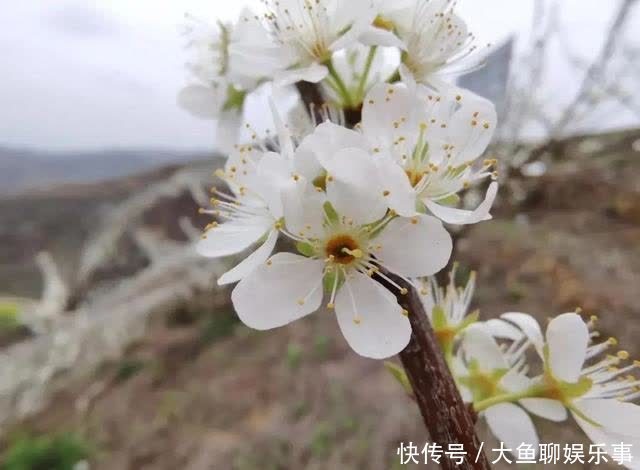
(400, 375)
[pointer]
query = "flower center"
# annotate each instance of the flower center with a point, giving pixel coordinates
(415, 176)
(342, 249)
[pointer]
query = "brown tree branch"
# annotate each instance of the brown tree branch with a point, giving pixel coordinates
(447, 418)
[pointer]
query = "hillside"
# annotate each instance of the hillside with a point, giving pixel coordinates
(202, 392)
(22, 169)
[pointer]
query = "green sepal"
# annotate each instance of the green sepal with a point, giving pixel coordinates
(468, 321)
(235, 99)
(329, 279)
(400, 375)
(450, 201)
(330, 212)
(576, 390)
(439, 318)
(305, 249)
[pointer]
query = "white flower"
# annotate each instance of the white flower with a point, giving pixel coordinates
(595, 390)
(343, 252)
(485, 370)
(308, 32)
(252, 211)
(448, 307)
(361, 68)
(428, 146)
(436, 40)
(222, 73)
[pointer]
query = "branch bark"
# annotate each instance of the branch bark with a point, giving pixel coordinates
(447, 418)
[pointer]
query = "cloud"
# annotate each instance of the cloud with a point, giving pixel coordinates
(83, 20)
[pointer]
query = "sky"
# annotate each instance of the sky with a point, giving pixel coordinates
(79, 74)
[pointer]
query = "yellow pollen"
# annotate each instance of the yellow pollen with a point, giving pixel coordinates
(331, 306)
(405, 312)
(404, 291)
(612, 341)
(623, 355)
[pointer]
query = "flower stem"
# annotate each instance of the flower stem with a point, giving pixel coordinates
(505, 398)
(342, 88)
(365, 73)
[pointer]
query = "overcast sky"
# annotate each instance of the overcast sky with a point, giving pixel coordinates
(79, 74)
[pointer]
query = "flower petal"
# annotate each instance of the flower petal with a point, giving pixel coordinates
(567, 339)
(273, 175)
(471, 127)
(614, 416)
(387, 115)
(303, 209)
(270, 296)
(451, 215)
(415, 247)
(528, 325)
(201, 101)
(546, 408)
(230, 238)
(251, 262)
(608, 436)
(373, 36)
(382, 330)
(511, 425)
(479, 345)
(355, 190)
(400, 195)
(327, 140)
(503, 329)
(314, 73)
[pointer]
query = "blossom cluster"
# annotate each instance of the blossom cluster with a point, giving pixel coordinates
(509, 370)
(354, 209)
(363, 204)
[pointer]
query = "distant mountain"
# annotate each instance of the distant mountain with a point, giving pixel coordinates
(491, 80)
(22, 169)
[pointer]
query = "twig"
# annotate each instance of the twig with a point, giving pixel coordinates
(445, 414)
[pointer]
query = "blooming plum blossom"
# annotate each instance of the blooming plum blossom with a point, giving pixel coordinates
(596, 390)
(341, 254)
(429, 146)
(223, 73)
(308, 32)
(437, 42)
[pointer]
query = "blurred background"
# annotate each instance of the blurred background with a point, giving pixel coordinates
(116, 348)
